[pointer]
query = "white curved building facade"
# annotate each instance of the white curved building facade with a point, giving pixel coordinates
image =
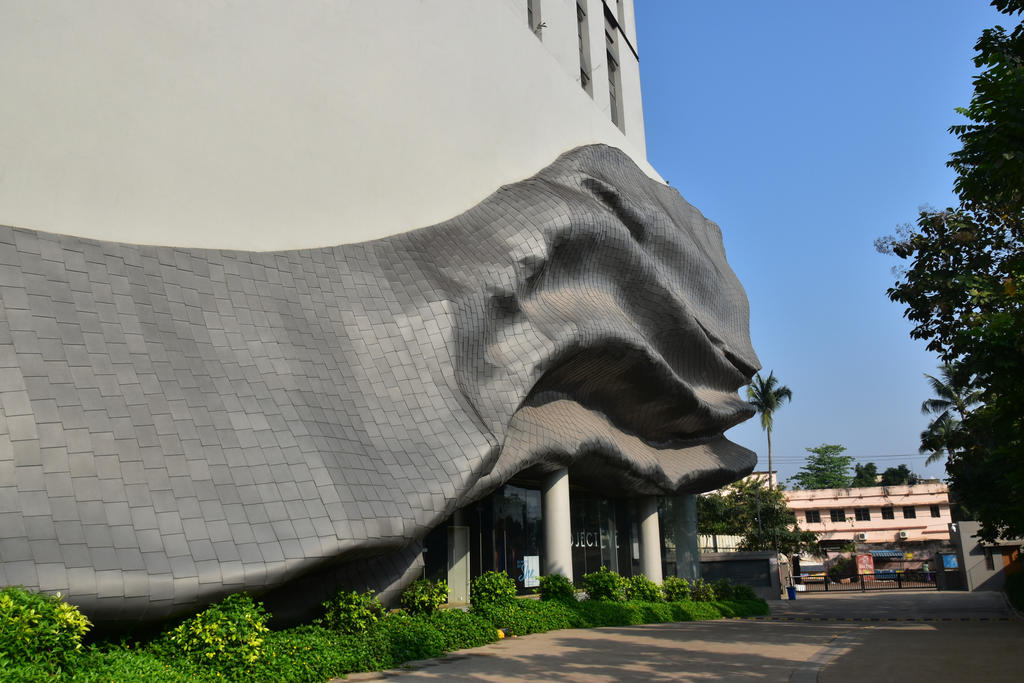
(268, 125)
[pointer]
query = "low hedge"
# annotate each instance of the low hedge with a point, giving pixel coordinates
(312, 654)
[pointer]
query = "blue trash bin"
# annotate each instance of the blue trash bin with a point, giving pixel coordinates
(791, 591)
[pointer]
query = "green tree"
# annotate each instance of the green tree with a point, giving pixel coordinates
(938, 437)
(899, 476)
(826, 468)
(767, 396)
(865, 475)
(757, 512)
(963, 287)
(951, 404)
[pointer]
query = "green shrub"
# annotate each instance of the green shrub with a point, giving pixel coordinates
(492, 588)
(523, 617)
(39, 628)
(742, 608)
(675, 589)
(641, 588)
(722, 588)
(608, 613)
(227, 637)
(352, 612)
(313, 654)
(460, 630)
(556, 587)
(408, 637)
(689, 610)
(425, 596)
(604, 585)
(743, 592)
(701, 591)
(126, 663)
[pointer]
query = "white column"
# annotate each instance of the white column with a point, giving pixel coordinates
(557, 529)
(650, 538)
(458, 560)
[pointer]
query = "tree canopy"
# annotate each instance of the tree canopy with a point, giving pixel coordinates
(899, 476)
(864, 475)
(963, 287)
(757, 512)
(826, 468)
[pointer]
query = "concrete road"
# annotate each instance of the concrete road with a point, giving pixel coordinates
(829, 638)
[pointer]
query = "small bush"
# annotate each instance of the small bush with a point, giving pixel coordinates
(701, 591)
(408, 637)
(226, 637)
(492, 588)
(425, 596)
(126, 663)
(641, 588)
(312, 654)
(556, 587)
(460, 630)
(604, 585)
(39, 628)
(352, 612)
(743, 592)
(675, 589)
(531, 616)
(727, 590)
(741, 608)
(689, 610)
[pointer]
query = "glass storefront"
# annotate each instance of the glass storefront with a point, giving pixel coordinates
(506, 533)
(604, 534)
(516, 534)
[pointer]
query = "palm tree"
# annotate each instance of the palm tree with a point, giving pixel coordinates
(935, 439)
(767, 396)
(951, 404)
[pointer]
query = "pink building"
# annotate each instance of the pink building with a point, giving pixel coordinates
(877, 515)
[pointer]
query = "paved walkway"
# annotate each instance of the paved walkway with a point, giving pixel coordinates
(832, 638)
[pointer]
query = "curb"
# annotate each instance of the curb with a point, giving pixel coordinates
(876, 619)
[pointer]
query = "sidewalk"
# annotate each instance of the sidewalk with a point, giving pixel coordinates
(829, 638)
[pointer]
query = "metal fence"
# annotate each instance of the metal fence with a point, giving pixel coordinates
(879, 581)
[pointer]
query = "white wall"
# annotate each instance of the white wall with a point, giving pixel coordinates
(274, 124)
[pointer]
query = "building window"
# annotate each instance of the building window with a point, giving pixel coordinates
(935, 511)
(888, 513)
(533, 16)
(862, 514)
(909, 512)
(989, 562)
(837, 515)
(614, 77)
(583, 32)
(812, 517)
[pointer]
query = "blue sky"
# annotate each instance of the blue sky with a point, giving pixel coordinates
(806, 130)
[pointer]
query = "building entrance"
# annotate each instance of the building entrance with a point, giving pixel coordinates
(604, 534)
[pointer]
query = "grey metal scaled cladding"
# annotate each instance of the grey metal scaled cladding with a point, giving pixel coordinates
(179, 424)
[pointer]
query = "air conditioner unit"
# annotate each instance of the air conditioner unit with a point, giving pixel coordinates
(903, 535)
(862, 536)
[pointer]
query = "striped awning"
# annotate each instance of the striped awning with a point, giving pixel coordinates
(887, 554)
